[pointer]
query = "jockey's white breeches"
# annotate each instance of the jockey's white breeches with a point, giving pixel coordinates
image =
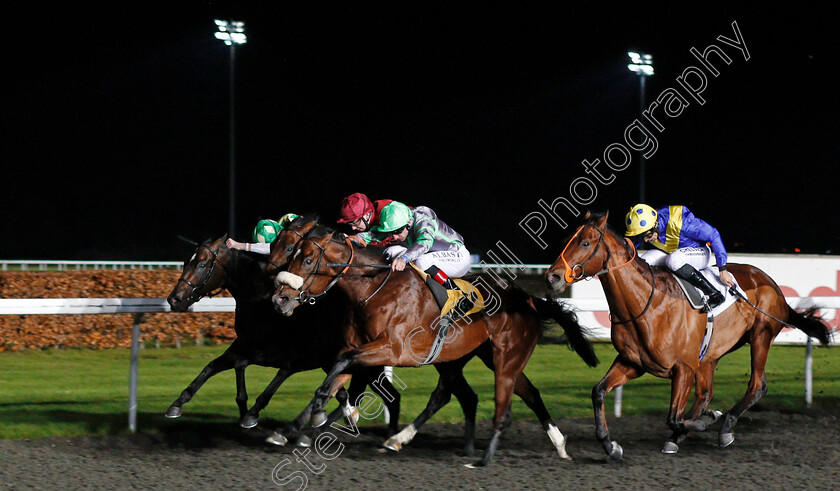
(454, 263)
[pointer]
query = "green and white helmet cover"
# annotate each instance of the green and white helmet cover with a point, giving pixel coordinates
(393, 216)
(266, 230)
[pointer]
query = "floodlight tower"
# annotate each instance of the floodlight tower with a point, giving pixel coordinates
(642, 65)
(231, 33)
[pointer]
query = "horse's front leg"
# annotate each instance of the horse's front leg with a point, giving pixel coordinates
(252, 416)
(681, 378)
(698, 419)
(619, 374)
(225, 361)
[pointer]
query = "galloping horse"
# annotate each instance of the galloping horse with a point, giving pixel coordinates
(656, 331)
(263, 337)
(451, 378)
(385, 325)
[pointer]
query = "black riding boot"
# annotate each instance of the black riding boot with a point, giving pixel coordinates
(688, 273)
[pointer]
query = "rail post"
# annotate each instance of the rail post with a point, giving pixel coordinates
(132, 379)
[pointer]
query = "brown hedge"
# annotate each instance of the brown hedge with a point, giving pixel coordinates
(99, 331)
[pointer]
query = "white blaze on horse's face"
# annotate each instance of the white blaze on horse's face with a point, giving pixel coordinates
(286, 278)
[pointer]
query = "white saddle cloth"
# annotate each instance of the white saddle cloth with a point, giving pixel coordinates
(695, 296)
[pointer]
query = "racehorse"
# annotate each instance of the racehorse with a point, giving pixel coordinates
(385, 325)
(656, 331)
(451, 379)
(264, 337)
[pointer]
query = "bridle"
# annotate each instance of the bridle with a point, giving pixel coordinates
(306, 296)
(277, 267)
(195, 294)
(577, 272)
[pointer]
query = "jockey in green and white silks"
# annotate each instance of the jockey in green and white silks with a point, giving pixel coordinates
(424, 239)
(264, 234)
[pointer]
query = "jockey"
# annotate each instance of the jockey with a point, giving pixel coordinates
(681, 241)
(360, 213)
(427, 241)
(264, 234)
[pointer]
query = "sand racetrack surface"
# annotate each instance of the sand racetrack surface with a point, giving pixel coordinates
(772, 450)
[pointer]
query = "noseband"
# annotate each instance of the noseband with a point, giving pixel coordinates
(577, 273)
(195, 294)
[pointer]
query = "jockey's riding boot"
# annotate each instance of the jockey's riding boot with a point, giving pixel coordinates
(438, 291)
(439, 283)
(688, 273)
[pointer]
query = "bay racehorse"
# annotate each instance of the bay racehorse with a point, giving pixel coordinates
(451, 379)
(655, 330)
(264, 337)
(389, 322)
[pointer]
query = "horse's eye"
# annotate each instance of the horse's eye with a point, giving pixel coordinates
(585, 243)
(200, 266)
(290, 249)
(308, 260)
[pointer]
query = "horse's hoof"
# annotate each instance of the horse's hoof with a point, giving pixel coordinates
(474, 465)
(726, 439)
(392, 444)
(173, 412)
(277, 439)
(616, 452)
(319, 418)
(670, 447)
(303, 441)
(249, 421)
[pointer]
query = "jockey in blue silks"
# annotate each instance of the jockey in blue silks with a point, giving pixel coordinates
(681, 243)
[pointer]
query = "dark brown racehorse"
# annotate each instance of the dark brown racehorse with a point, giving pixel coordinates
(389, 319)
(656, 331)
(264, 337)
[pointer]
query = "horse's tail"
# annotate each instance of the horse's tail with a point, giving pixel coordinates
(568, 320)
(810, 323)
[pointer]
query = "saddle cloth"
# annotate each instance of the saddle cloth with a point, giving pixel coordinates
(466, 289)
(454, 296)
(695, 296)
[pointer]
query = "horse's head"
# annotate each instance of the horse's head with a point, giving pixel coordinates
(286, 243)
(203, 273)
(311, 271)
(584, 254)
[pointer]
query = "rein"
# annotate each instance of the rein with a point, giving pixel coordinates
(381, 266)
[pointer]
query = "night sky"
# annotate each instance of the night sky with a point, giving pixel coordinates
(116, 139)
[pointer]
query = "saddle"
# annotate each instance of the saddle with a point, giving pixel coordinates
(695, 296)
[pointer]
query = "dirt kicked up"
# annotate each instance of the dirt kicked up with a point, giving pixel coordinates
(772, 450)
